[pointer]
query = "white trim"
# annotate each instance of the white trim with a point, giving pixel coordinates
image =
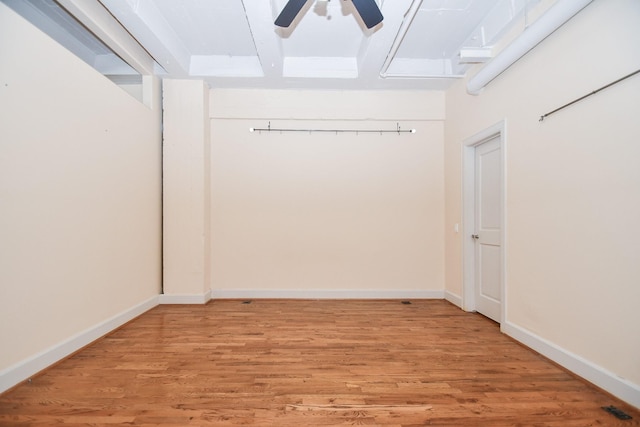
(185, 299)
(619, 387)
(323, 294)
(21, 371)
(454, 299)
(468, 220)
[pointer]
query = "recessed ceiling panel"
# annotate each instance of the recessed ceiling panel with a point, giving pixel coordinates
(441, 26)
(200, 38)
(441, 29)
(323, 67)
(210, 27)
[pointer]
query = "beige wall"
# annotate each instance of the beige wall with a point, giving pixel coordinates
(79, 195)
(573, 187)
(302, 213)
(186, 190)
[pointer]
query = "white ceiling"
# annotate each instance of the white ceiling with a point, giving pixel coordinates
(234, 43)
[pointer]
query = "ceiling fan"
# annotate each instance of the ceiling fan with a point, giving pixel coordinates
(367, 9)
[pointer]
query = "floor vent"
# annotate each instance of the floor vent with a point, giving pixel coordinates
(406, 302)
(247, 302)
(618, 413)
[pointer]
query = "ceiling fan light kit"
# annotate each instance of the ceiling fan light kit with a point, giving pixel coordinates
(367, 9)
(289, 13)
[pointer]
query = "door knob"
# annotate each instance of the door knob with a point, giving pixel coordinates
(475, 236)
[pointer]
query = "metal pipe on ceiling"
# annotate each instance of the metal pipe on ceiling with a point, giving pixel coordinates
(406, 23)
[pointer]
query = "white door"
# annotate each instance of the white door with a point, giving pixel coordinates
(488, 223)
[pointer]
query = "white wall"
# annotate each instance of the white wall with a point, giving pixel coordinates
(80, 199)
(327, 215)
(573, 193)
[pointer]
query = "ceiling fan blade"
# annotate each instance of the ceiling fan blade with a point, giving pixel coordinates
(369, 12)
(289, 13)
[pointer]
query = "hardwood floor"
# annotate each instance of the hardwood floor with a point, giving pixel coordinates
(308, 363)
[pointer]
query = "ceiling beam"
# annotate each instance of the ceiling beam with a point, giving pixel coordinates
(267, 42)
(100, 22)
(154, 33)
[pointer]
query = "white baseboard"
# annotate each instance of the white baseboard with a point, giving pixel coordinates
(619, 387)
(185, 299)
(21, 371)
(453, 298)
(323, 294)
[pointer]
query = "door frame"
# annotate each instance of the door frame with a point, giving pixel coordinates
(468, 211)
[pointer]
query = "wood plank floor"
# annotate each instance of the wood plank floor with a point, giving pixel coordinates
(308, 363)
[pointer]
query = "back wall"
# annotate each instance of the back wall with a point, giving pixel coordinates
(317, 214)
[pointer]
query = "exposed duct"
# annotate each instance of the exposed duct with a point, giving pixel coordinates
(550, 21)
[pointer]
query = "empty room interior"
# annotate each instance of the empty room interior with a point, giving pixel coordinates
(346, 212)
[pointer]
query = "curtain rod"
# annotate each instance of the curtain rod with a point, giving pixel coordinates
(544, 116)
(336, 131)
